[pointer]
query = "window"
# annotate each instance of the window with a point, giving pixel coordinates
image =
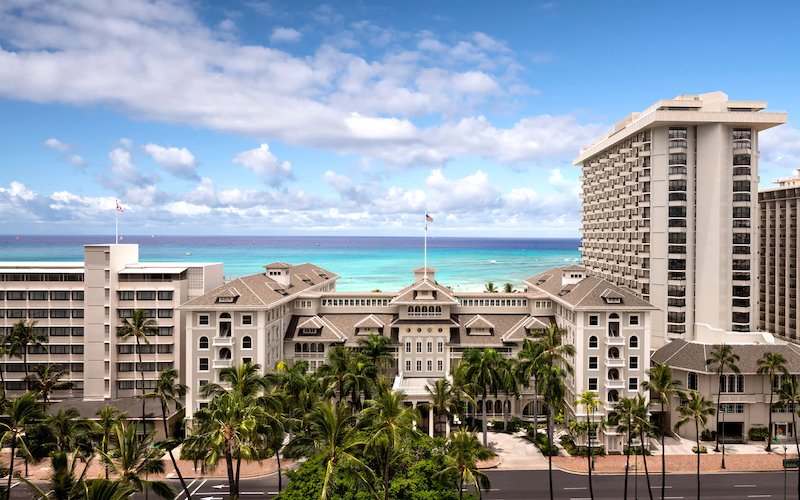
(633, 384)
(164, 348)
(165, 313)
(593, 362)
(593, 384)
(691, 381)
(125, 295)
(408, 365)
(14, 295)
(247, 342)
(677, 211)
(633, 363)
(59, 313)
(40, 295)
(142, 295)
(77, 295)
(419, 346)
(430, 346)
(419, 365)
(594, 320)
(429, 365)
(408, 346)
(247, 319)
(165, 295)
(439, 365)
(76, 349)
(203, 364)
(592, 342)
(633, 343)
(741, 213)
(440, 346)
(59, 349)
(203, 320)
(203, 343)
(165, 331)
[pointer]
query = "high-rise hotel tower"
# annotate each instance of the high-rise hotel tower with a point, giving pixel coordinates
(670, 210)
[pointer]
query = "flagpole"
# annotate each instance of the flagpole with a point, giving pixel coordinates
(425, 261)
(116, 224)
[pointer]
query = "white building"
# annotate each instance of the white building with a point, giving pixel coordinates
(670, 211)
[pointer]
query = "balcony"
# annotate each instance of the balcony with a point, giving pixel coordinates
(223, 341)
(615, 384)
(222, 363)
(615, 362)
(615, 340)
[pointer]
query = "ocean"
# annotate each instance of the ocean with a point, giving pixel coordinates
(363, 263)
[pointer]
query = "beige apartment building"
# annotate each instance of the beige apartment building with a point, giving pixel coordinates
(744, 397)
(669, 211)
(779, 258)
(293, 313)
(81, 304)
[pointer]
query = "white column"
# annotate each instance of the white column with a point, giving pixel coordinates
(414, 405)
(430, 421)
(447, 428)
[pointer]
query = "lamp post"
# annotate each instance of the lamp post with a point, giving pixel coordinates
(725, 410)
(784, 473)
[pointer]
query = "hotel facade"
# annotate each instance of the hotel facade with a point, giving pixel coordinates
(670, 211)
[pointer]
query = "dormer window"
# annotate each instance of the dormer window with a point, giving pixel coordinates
(226, 300)
(309, 331)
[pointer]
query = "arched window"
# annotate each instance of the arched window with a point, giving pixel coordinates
(498, 406)
(691, 381)
(247, 342)
(633, 342)
(203, 343)
(613, 374)
(313, 347)
(592, 342)
(613, 353)
(438, 309)
(731, 383)
(480, 405)
(740, 383)
(613, 316)
(224, 353)
(320, 347)
(297, 348)
(613, 396)
(224, 316)
(613, 418)
(305, 347)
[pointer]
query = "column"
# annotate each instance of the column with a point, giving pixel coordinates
(430, 420)
(414, 405)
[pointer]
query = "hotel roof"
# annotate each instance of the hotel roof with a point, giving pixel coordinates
(590, 292)
(260, 290)
(692, 356)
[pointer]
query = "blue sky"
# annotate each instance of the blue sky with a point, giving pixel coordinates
(260, 117)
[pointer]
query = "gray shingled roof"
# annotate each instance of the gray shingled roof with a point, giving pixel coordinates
(692, 356)
(406, 295)
(587, 293)
(260, 290)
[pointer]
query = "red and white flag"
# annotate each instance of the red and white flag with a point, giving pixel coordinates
(428, 218)
(119, 207)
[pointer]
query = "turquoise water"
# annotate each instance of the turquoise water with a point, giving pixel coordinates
(364, 263)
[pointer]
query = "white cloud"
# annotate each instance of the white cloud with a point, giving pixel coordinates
(265, 165)
(780, 153)
(187, 209)
(180, 162)
(18, 190)
(471, 193)
(158, 61)
(56, 145)
(286, 35)
(76, 160)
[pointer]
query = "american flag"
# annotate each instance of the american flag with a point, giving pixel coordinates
(428, 218)
(119, 207)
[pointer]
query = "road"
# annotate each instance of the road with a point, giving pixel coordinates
(508, 485)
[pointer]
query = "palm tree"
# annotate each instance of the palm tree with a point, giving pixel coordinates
(490, 288)
(771, 364)
(551, 380)
(695, 409)
(360, 380)
(107, 418)
(390, 422)
(228, 429)
(134, 457)
(486, 369)
(138, 326)
(24, 334)
(508, 288)
(626, 415)
(462, 389)
(529, 362)
(590, 401)
(375, 348)
(70, 432)
(48, 379)
(336, 370)
(245, 379)
(21, 412)
(660, 382)
(168, 391)
(722, 357)
(645, 429)
(444, 404)
(63, 485)
(790, 398)
(463, 452)
(5, 350)
(332, 434)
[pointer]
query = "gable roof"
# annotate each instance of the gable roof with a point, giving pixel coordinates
(589, 293)
(692, 356)
(261, 291)
(406, 296)
(370, 321)
(478, 322)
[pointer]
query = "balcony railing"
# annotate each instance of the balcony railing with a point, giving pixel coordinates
(223, 341)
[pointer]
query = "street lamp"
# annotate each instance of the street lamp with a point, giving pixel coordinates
(784, 472)
(725, 406)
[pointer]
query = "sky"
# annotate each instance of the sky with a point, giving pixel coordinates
(353, 118)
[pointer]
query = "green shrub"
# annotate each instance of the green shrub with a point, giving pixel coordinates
(758, 433)
(702, 449)
(580, 451)
(540, 440)
(636, 450)
(708, 435)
